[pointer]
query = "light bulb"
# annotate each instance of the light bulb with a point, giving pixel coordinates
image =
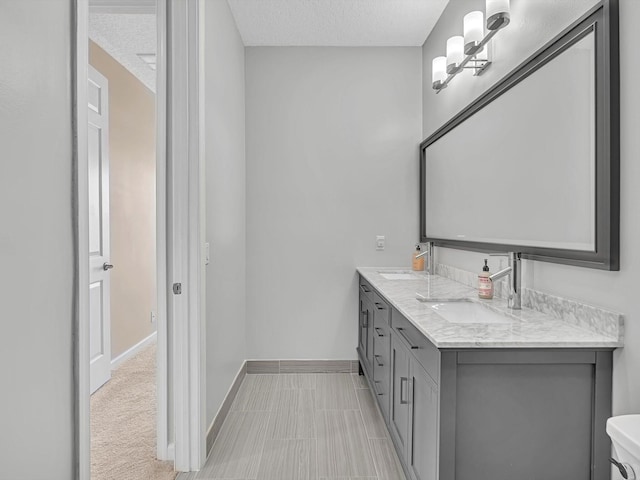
(438, 72)
(455, 53)
(498, 15)
(473, 31)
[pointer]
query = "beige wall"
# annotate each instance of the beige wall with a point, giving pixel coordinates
(133, 202)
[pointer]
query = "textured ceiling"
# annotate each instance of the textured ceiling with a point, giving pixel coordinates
(336, 22)
(124, 36)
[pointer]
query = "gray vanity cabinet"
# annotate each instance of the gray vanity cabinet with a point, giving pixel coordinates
(485, 413)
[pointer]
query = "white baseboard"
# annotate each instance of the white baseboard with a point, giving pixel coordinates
(124, 356)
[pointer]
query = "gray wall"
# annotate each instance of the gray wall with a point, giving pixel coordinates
(332, 137)
(225, 201)
(613, 290)
(36, 241)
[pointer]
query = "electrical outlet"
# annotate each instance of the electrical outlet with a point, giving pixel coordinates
(380, 240)
(154, 318)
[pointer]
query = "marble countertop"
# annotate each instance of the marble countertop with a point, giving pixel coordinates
(528, 328)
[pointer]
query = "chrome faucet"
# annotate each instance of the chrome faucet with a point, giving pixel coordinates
(514, 272)
(431, 267)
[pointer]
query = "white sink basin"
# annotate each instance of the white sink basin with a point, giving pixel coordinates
(468, 312)
(400, 275)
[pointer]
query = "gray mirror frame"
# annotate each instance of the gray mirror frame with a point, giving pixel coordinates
(603, 20)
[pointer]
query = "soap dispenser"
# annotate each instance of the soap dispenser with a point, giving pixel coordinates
(485, 285)
(418, 263)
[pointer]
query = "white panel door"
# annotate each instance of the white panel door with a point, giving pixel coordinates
(99, 251)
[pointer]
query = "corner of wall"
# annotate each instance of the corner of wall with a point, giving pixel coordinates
(225, 201)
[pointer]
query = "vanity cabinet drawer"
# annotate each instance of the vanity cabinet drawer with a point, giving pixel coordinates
(365, 289)
(382, 311)
(421, 348)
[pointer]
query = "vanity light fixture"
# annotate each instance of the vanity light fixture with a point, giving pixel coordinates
(473, 49)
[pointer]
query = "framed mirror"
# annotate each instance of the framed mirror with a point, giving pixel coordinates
(533, 164)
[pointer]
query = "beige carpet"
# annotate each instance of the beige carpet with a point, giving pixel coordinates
(123, 424)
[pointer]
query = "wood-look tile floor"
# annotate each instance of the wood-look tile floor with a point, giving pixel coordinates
(302, 427)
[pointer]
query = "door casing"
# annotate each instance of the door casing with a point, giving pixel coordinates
(180, 374)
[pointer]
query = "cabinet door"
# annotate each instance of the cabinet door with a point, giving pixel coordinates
(399, 411)
(370, 347)
(362, 327)
(422, 458)
(365, 325)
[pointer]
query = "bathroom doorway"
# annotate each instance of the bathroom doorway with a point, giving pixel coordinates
(125, 408)
(179, 402)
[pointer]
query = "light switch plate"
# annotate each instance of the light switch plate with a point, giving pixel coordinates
(380, 240)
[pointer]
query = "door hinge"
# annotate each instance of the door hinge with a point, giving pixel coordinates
(177, 288)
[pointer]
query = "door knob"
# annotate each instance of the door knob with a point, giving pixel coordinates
(107, 266)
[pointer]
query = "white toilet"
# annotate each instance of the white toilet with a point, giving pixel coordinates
(624, 431)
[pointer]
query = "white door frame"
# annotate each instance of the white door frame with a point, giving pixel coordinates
(164, 445)
(185, 217)
(179, 238)
(80, 59)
